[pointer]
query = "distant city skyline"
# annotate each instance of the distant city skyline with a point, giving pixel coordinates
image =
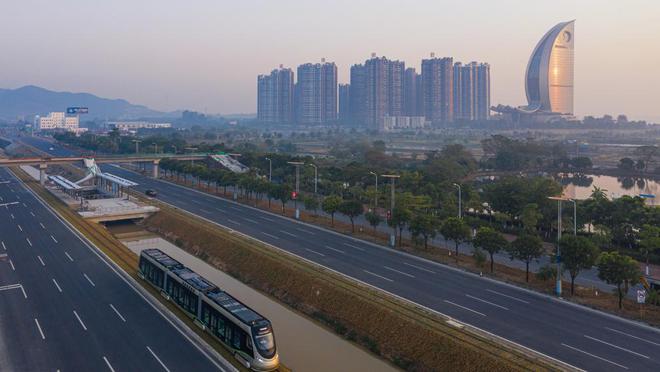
(203, 55)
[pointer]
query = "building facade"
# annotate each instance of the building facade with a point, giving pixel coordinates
(275, 96)
(410, 90)
(344, 103)
(438, 89)
(316, 93)
(58, 120)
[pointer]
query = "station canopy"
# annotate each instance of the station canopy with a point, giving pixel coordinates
(116, 179)
(64, 183)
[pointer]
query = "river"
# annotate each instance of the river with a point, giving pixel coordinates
(580, 186)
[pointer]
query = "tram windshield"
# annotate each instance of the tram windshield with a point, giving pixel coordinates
(266, 344)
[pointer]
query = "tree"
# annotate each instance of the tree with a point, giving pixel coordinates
(649, 241)
(530, 217)
(351, 209)
(455, 229)
(311, 204)
(526, 248)
(490, 241)
(281, 193)
(400, 217)
(626, 164)
(619, 270)
(577, 253)
(330, 205)
(374, 220)
(423, 224)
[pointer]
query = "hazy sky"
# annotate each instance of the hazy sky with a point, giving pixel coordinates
(205, 54)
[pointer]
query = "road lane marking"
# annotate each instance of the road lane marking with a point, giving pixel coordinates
(39, 328)
(507, 296)
(234, 222)
(69, 257)
(420, 268)
(53, 239)
(3, 246)
(313, 251)
(487, 302)
(12, 265)
(79, 320)
(305, 231)
(42, 261)
(12, 215)
(399, 272)
(267, 219)
(42, 225)
(250, 220)
(633, 336)
(464, 308)
(158, 359)
(354, 246)
(335, 249)
(269, 235)
(234, 208)
(89, 280)
(20, 228)
(594, 356)
(108, 364)
(617, 347)
(378, 276)
(205, 211)
(24, 205)
(57, 285)
(117, 312)
(288, 233)
(32, 214)
(29, 242)
(23, 290)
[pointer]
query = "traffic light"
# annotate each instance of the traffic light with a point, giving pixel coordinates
(389, 215)
(294, 195)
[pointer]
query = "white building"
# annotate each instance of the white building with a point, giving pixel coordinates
(392, 123)
(58, 120)
(132, 126)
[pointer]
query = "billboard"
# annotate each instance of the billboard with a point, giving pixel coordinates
(77, 110)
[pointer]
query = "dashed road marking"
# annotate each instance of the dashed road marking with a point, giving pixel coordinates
(69, 257)
(400, 272)
(89, 280)
(270, 235)
(158, 359)
(43, 337)
(53, 239)
(42, 225)
(632, 336)
(354, 246)
(464, 308)
(335, 249)
(108, 364)
(315, 252)
(29, 242)
(42, 261)
(117, 312)
(57, 285)
(79, 320)
(507, 296)
(618, 347)
(594, 356)
(378, 276)
(486, 302)
(288, 233)
(420, 268)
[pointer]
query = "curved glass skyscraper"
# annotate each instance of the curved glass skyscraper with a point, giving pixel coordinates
(549, 76)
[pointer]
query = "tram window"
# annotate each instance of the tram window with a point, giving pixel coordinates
(236, 339)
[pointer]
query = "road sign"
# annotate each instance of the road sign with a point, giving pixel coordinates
(77, 110)
(641, 296)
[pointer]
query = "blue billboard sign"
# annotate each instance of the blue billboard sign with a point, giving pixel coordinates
(77, 110)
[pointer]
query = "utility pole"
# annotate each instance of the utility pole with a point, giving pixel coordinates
(376, 197)
(574, 215)
(392, 177)
(559, 199)
(460, 201)
(316, 177)
(137, 146)
(297, 164)
(270, 169)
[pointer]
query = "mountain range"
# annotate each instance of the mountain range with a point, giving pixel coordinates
(31, 100)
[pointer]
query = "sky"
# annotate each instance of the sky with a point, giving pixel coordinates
(205, 55)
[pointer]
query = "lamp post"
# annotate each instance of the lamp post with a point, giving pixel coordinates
(559, 199)
(270, 169)
(376, 197)
(316, 176)
(297, 164)
(392, 177)
(574, 215)
(137, 146)
(460, 201)
(155, 147)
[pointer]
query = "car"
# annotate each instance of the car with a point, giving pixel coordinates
(151, 193)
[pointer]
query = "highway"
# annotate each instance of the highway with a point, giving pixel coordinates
(63, 308)
(573, 334)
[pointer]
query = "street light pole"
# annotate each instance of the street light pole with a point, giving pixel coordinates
(316, 176)
(559, 200)
(137, 146)
(574, 216)
(270, 169)
(297, 164)
(392, 177)
(460, 201)
(376, 197)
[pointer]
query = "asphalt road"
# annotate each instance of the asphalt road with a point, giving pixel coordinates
(63, 308)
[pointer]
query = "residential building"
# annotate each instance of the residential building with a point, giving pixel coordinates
(344, 103)
(58, 120)
(410, 90)
(316, 93)
(357, 107)
(275, 96)
(437, 89)
(133, 126)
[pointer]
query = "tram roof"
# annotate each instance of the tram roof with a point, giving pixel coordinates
(197, 281)
(162, 258)
(237, 308)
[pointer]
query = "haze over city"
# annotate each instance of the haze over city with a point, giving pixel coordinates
(205, 55)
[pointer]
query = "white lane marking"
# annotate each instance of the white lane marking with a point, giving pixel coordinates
(69, 257)
(378, 276)
(220, 210)
(288, 233)
(89, 280)
(250, 220)
(53, 239)
(617, 347)
(399, 272)
(79, 320)
(32, 214)
(108, 364)
(10, 286)
(39, 328)
(234, 222)
(464, 308)
(205, 211)
(24, 205)
(335, 249)
(269, 235)
(23, 290)
(313, 251)
(29, 242)
(12, 265)
(57, 285)
(158, 359)
(3, 246)
(354, 246)
(117, 312)
(507, 296)
(486, 302)
(305, 231)
(20, 228)
(42, 225)
(42, 261)
(420, 268)
(267, 219)
(234, 208)
(633, 336)
(12, 215)
(594, 356)
(196, 201)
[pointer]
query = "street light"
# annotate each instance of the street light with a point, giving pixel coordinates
(297, 164)
(559, 199)
(574, 215)
(460, 201)
(137, 146)
(155, 147)
(376, 197)
(316, 176)
(392, 177)
(270, 169)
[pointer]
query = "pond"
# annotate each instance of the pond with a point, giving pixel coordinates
(580, 186)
